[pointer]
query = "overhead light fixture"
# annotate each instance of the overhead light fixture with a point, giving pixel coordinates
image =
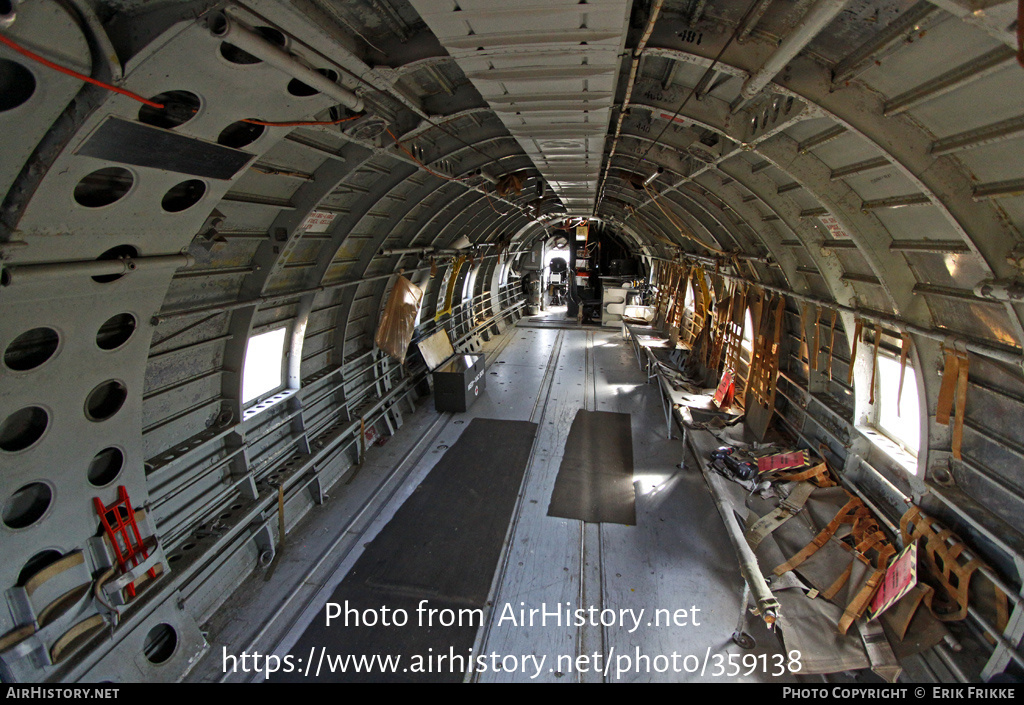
(461, 243)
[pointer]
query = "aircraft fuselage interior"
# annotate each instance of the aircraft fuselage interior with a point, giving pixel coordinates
(530, 341)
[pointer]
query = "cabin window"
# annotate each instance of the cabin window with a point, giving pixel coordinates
(263, 370)
(902, 424)
(748, 336)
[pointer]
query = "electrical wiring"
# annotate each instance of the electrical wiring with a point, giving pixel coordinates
(491, 204)
(74, 74)
(424, 166)
(679, 225)
(153, 104)
(265, 123)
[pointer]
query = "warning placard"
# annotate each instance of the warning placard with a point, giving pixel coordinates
(899, 579)
(832, 223)
(318, 221)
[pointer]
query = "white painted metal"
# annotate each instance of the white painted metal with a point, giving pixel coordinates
(562, 58)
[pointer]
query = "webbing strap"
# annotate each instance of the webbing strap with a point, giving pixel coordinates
(942, 561)
(832, 343)
(874, 364)
(61, 648)
(783, 513)
(66, 563)
(860, 601)
(817, 338)
(822, 538)
(904, 349)
(948, 388)
(853, 349)
(819, 473)
(803, 328)
(961, 403)
(835, 587)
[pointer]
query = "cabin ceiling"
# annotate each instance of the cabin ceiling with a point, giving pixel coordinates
(864, 171)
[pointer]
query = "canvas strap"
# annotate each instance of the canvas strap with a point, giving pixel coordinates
(817, 338)
(784, 512)
(858, 327)
(832, 342)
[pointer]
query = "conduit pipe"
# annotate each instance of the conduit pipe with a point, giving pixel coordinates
(24, 273)
(816, 19)
(238, 35)
(634, 66)
(389, 251)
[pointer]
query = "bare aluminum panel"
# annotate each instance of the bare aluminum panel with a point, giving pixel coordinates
(550, 70)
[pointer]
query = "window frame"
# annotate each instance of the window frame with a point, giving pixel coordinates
(910, 380)
(282, 385)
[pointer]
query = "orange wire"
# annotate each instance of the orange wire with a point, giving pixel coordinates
(82, 77)
(491, 204)
(425, 167)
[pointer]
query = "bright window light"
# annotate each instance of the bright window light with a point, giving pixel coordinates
(748, 333)
(901, 425)
(262, 372)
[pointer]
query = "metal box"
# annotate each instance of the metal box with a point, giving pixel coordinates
(458, 378)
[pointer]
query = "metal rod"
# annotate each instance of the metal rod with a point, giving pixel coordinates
(750, 21)
(818, 16)
(749, 569)
(237, 34)
(93, 268)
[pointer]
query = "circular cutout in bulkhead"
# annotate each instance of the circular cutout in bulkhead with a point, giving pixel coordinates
(105, 400)
(240, 56)
(27, 505)
(31, 349)
(23, 428)
(115, 253)
(240, 134)
(183, 196)
(115, 331)
(17, 84)
(105, 466)
(179, 108)
(303, 90)
(103, 187)
(160, 643)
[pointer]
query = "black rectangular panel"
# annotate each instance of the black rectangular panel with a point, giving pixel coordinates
(442, 547)
(129, 142)
(595, 480)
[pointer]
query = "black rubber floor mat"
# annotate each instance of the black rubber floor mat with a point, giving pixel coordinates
(595, 479)
(442, 546)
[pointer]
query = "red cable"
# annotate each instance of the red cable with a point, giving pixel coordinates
(82, 77)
